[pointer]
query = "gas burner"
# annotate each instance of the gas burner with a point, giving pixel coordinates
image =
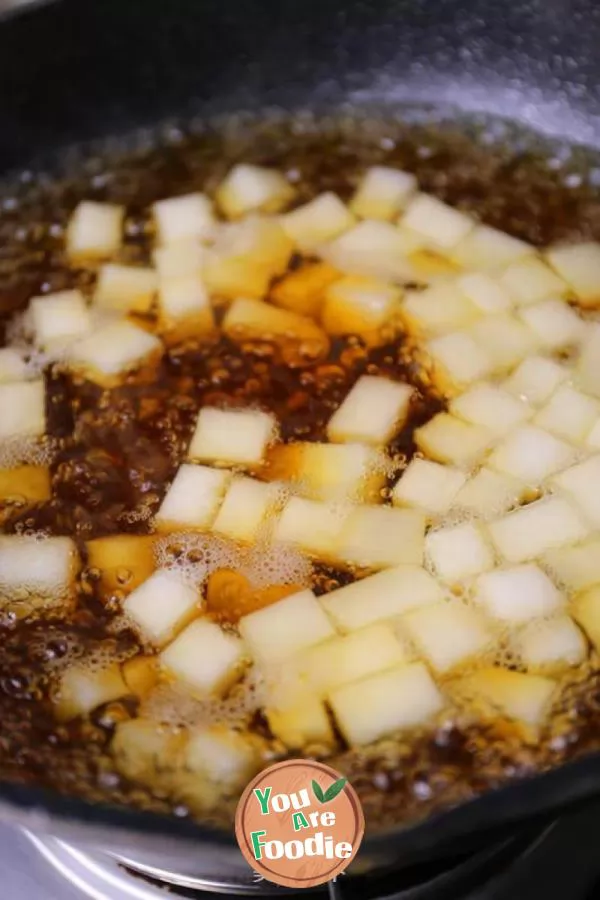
(101, 876)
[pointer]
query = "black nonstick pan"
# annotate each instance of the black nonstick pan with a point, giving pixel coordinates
(74, 72)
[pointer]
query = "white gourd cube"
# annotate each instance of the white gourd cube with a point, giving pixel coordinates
(125, 288)
(247, 508)
(350, 657)
(550, 645)
(569, 413)
(144, 750)
(555, 324)
(341, 472)
(382, 193)
(112, 351)
(535, 379)
(458, 360)
(529, 532)
(246, 256)
(232, 436)
(45, 567)
(313, 526)
(58, 319)
(161, 606)
(274, 633)
(206, 658)
(579, 265)
(22, 409)
(376, 537)
(518, 594)
(253, 188)
(504, 339)
(428, 486)
(401, 698)
(179, 260)
(184, 303)
(585, 609)
(458, 551)
(252, 320)
(382, 596)
(486, 293)
(448, 634)
(439, 308)
(531, 280)
(490, 406)
(118, 554)
(183, 218)
(516, 695)
(372, 412)
(300, 721)
(12, 365)
(221, 755)
(531, 455)
(487, 249)
(440, 225)
(317, 221)
(587, 369)
(450, 440)
(581, 483)
(577, 568)
(372, 249)
(82, 689)
(193, 498)
(26, 484)
(362, 306)
(301, 290)
(593, 438)
(95, 230)
(489, 493)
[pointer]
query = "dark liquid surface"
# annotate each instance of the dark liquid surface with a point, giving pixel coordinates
(117, 450)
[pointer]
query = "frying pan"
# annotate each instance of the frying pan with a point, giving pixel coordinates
(76, 71)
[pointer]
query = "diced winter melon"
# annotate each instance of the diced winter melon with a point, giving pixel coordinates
(22, 409)
(193, 498)
(531, 455)
(125, 288)
(458, 360)
(587, 369)
(43, 567)
(206, 658)
(58, 319)
(184, 307)
(113, 350)
(536, 379)
(401, 698)
(593, 438)
(288, 626)
(490, 406)
(518, 594)
(180, 260)
(486, 249)
(95, 230)
(246, 256)
(516, 695)
(529, 532)
(450, 440)
(82, 689)
(554, 323)
(140, 674)
(253, 189)
(486, 293)
(221, 755)
(303, 290)
(252, 320)
(448, 634)
(25, 483)
(581, 484)
(440, 308)
(232, 436)
(531, 280)
(247, 508)
(576, 567)
(585, 609)
(376, 537)
(363, 306)
(301, 721)
(504, 339)
(183, 218)
(336, 472)
(438, 224)
(382, 193)
(429, 266)
(318, 221)
(313, 526)
(161, 606)
(122, 561)
(370, 249)
(550, 645)
(458, 551)
(385, 595)
(579, 265)
(12, 365)
(145, 750)
(489, 493)
(568, 413)
(428, 486)
(371, 413)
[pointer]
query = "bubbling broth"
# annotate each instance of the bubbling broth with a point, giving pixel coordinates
(299, 432)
